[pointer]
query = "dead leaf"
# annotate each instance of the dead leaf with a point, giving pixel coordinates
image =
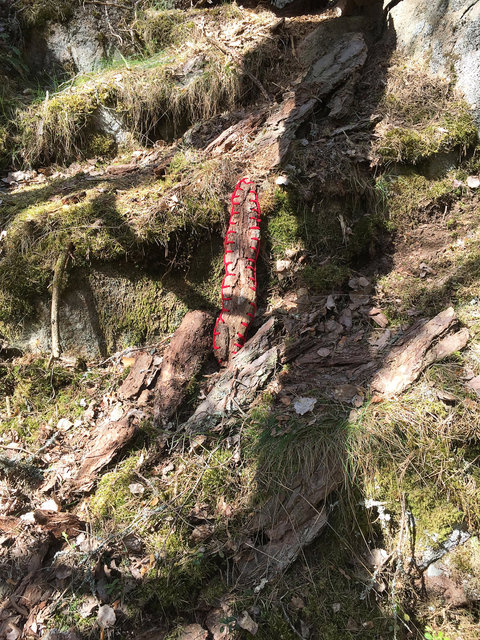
(330, 304)
(245, 622)
(136, 488)
(378, 317)
(64, 424)
(106, 616)
(323, 352)
(202, 532)
(303, 405)
(297, 602)
(352, 625)
(223, 508)
(474, 384)
(87, 606)
(473, 182)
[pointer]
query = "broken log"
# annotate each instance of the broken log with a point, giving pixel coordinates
(182, 360)
(425, 343)
(239, 383)
(239, 285)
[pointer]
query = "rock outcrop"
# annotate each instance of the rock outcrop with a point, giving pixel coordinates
(446, 33)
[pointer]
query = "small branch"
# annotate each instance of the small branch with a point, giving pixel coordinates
(56, 290)
(108, 4)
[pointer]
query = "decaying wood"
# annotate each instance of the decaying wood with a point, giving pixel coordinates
(269, 144)
(423, 344)
(182, 360)
(239, 284)
(290, 521)
(107, 440)
(239, 383)
(135, 381)
(56, 291)
(58, 523)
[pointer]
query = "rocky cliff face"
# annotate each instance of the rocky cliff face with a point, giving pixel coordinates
(446, 34)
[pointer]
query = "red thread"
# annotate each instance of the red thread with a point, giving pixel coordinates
(255, 210)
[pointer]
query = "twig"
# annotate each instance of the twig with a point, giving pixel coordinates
(56, 290)
(133, 349)
(9, 448)
(47, 444)
(290, 624)
(228, 52)
(108, 4)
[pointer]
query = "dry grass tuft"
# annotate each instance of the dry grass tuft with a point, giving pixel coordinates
(424, 115)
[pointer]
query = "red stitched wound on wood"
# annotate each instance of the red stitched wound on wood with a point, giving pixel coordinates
(239, 285)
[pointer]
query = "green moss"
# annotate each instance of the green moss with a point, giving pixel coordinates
(38, 396)
(101, 145)
(56, 129)
(412, 198)
(283, 229)
(326, 278)
(175, 582)
(136, 310)
(215, 479)
(113, 499)
(410, 146)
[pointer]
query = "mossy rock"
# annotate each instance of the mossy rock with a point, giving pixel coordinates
(409, 145)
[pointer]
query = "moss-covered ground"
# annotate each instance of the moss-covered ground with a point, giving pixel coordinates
(165, 519)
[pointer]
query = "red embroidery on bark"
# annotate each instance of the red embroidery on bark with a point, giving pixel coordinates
(239, 283)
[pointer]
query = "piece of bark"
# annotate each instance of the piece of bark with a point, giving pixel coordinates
(58, 523)
(238, 132)
(448, 345)
(238, 384)
(134, 383)
(121, 169)
(407, 361)
(107, 440)
(239, 285)
(290, 521)
(182, 360)
(378, 317)
(325, 75)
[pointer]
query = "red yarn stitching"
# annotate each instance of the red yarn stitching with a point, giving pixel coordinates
(255, 209)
